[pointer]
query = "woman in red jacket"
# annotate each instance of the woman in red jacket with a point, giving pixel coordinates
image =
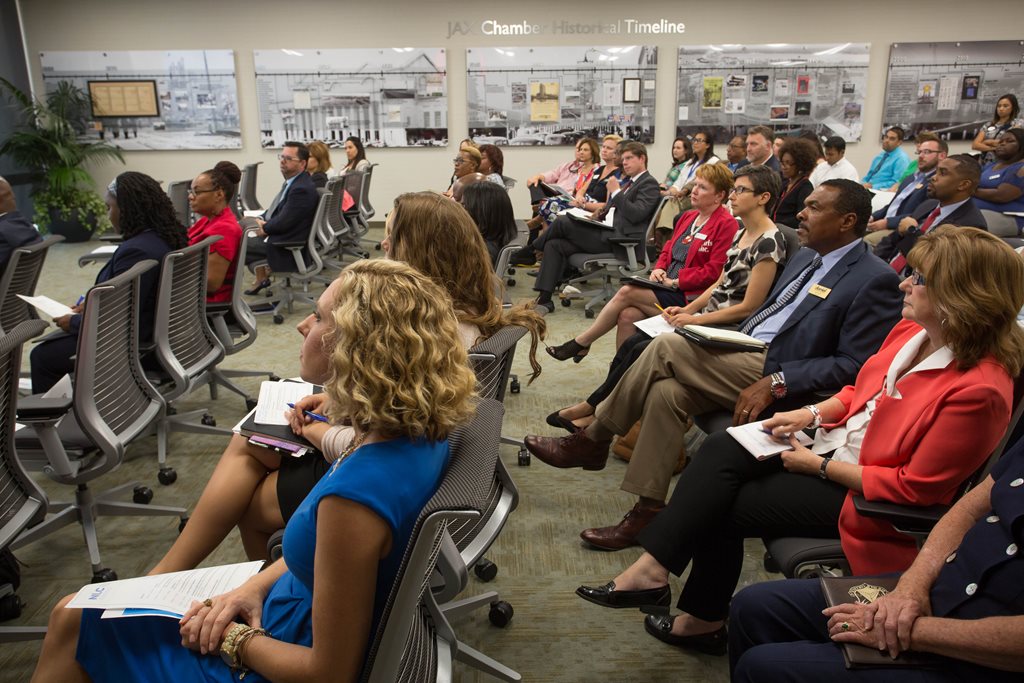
(689, 262)
(924, 414)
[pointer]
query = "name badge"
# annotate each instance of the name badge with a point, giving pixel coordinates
(918, 186)
(994, 177)
(820, 292)
(700, 236)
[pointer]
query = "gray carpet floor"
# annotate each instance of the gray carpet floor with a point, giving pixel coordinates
(554, 636)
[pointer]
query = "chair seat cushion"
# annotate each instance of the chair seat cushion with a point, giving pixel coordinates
(579, 260)
(68, 429)
(790, 553)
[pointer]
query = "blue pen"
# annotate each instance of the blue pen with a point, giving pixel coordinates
(80, 300)
(318, 418)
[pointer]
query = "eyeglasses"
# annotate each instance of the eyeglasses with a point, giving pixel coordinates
(700, 140)
(195, 193)
(285, 157)
(458, 160)
(916, 278)
(739, 190)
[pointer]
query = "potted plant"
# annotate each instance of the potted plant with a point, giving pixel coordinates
(49, 142)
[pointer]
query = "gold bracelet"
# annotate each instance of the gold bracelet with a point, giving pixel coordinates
(244, 638)
(229, 646)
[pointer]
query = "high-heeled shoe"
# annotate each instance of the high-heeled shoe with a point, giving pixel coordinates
(260, 286)
(570, 349)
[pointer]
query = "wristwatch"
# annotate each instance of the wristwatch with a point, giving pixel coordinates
(815, 414)
(778, 387)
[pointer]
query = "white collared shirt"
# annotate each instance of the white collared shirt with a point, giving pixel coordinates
(846, 439)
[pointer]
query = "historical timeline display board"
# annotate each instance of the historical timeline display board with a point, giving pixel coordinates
(154, 99)
(950, 88)
(389, 97)
(558, 95)
(729, 88)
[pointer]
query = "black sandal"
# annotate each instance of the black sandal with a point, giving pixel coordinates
(570, 349)
(559, 422)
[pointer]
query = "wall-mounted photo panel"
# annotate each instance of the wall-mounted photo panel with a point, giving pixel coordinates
(388, 97)
(726, 89)
(558, 95)
(950, 88)
(154, 99)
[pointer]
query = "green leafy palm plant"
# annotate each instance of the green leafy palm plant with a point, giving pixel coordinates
(48, 143)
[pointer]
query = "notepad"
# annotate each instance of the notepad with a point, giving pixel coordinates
(166, 595)
(654, 326)
(761, 445)
(719, 338)
(54, 309)
(274, 399)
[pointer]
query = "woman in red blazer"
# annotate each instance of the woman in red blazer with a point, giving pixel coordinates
(689, 262)
(924, 414)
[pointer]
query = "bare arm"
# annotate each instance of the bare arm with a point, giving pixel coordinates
(1005, 192)
(996, 642)
(216, 271)
(761, 277)
(980, 144)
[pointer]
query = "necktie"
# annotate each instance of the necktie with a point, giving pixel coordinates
(269, 213)
(787, 295)
(899, 262)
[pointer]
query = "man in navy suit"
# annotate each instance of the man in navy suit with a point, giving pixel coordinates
(287, 220)
(951, 202)
(634, 201)
(912, 191)
(830, 310)
(15, 230)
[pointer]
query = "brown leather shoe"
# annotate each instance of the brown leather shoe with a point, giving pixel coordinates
(576, 450)
(623, 534)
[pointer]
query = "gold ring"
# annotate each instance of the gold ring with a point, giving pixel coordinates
(208, 602)
(845, 626)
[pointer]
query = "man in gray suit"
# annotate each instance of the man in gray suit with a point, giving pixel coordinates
(634, 200)
(15, 230)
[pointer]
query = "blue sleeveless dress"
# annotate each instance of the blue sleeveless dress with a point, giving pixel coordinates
(394, 478)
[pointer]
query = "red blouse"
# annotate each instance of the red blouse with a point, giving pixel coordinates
(226, 225)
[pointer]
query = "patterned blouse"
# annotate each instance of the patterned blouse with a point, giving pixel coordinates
(738, 264)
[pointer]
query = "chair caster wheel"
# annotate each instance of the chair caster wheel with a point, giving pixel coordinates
(511, 282)
(500, 613)
(272, 378)
(377, 246)
(10, 607)
(104, 575)
(485, 570)
(278, 318)
(524, 457)
(250, 404)
(588, 313)
(167, 476)
(209, 420)
(514, 386)
(181, 524)
(511, 271)
(770, 565)
(142, 495)
(566, 303)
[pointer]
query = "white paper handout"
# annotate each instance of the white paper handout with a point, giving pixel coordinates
(274, 399)
(760, 444)
(654, 326)
(167, 595)
(54, 309)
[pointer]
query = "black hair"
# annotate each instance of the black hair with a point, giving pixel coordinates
(489, 205)
(967, 166)
(812, 138)
(303, 151)
(762, 179)
(143, 205)
(360, 152)
(837, 143)
(710, 142)
(852, 197)
(1014, 107)
(900, 133)
(496, 157)
(225, 176)
(805, 157)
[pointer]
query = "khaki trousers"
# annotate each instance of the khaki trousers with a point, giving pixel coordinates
(673, 379)
(873, 237)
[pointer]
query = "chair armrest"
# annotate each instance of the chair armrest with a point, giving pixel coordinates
(40, 409)
(906, 518)
(112, 237)
(625, 241)
(290, 245)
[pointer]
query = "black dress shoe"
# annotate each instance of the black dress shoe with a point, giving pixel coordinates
(714, 643)
(260, 286)
(607, 596)
(559, 422)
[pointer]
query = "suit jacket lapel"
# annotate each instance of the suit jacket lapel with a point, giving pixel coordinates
(829, 281)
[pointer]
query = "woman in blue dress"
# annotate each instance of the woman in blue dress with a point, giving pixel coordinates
(384, 341)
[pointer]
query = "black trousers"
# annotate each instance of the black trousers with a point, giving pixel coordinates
(724, 496)
(255, 250)
(564, 238)
(624, 358)
(52, 359)
(777, 633)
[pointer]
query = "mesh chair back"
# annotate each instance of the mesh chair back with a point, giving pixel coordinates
(21, 277)
(491, 361)
(336, 223)
(365, 208)
(247, 188)
(113, 400)
(234, 323)
(22, 502)
(177, 190)
(353, 182)
(185, 345)
(402, 649)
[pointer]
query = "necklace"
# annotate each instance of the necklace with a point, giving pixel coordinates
(356, 443)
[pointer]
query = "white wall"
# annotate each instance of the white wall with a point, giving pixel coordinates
(266, 24)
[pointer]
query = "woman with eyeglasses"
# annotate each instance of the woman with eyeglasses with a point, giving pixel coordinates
(210, 198)
(797, 160)
(1001, 187)
(142, 213)
(258, 490)
(924, 414)
(678, 192)
(1006, 116)
(466, 163)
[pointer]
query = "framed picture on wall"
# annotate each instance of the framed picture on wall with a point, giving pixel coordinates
(630, 90)
(971, 86)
